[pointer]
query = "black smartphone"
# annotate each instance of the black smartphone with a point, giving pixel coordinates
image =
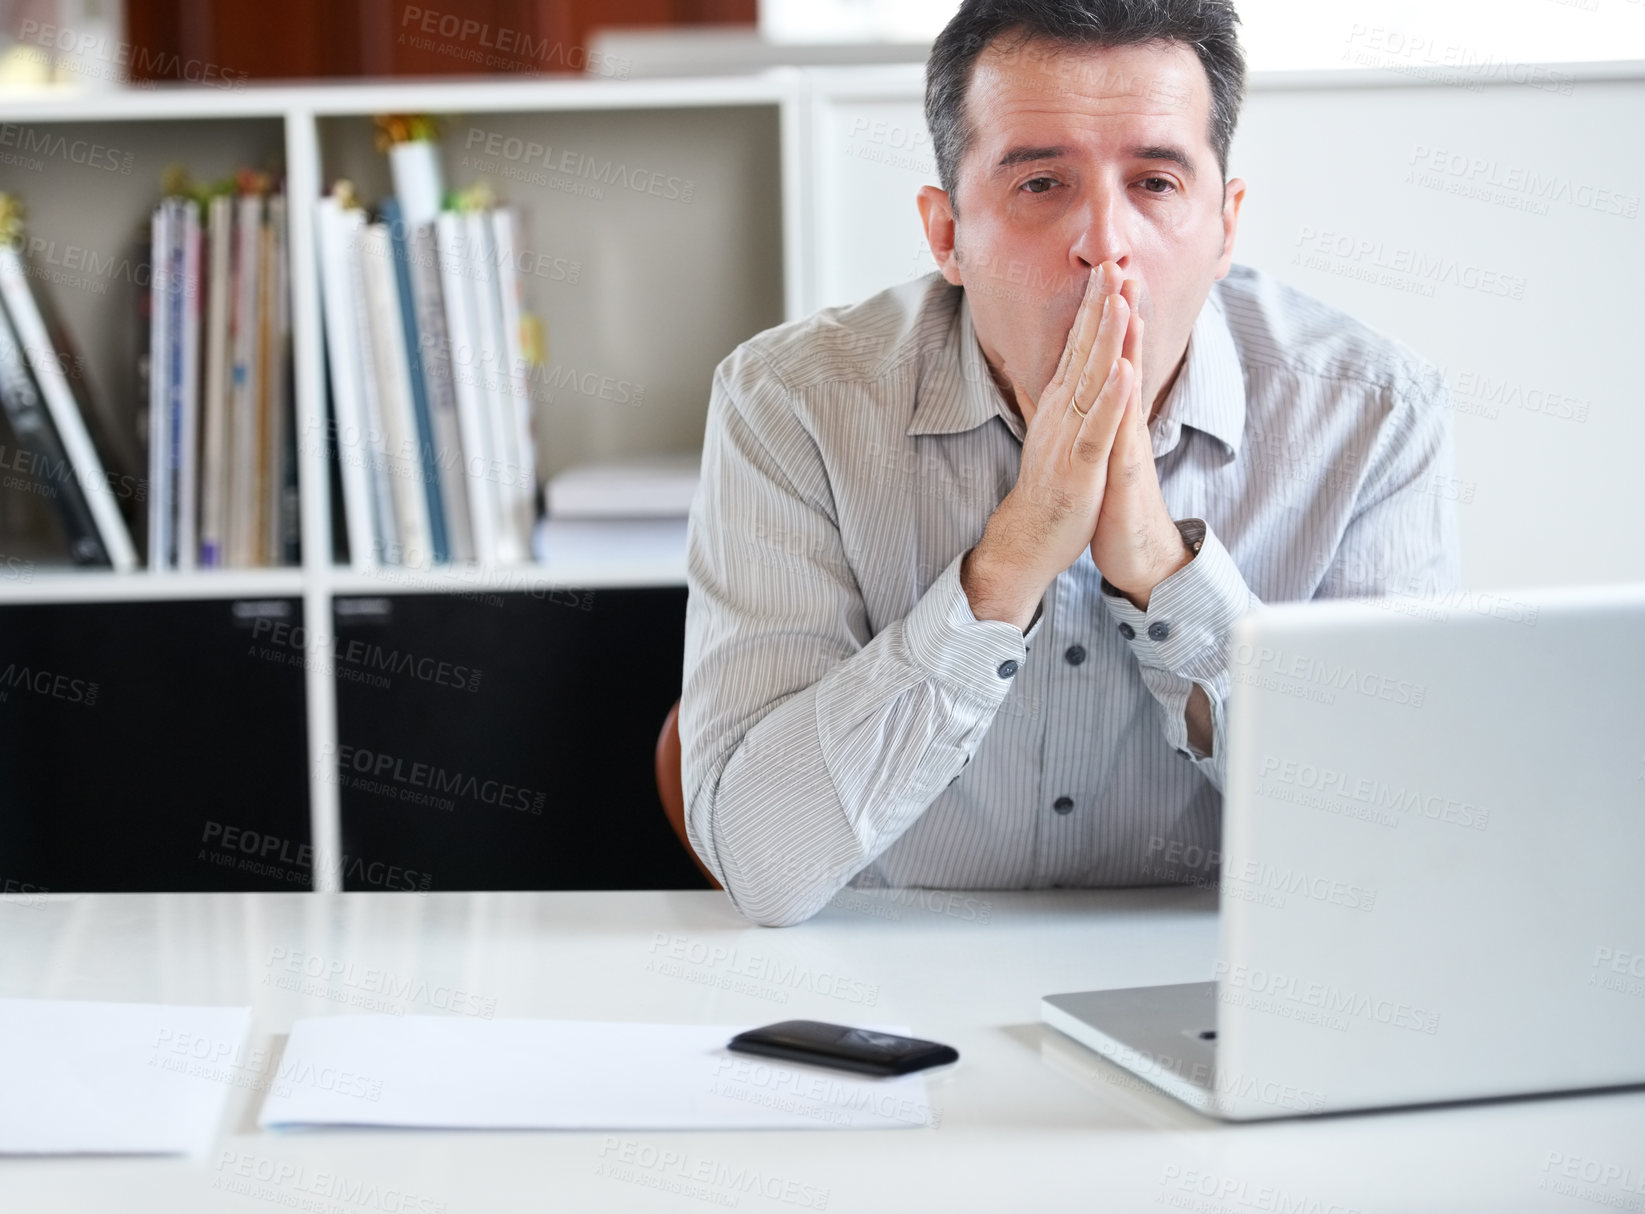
(839, 1045)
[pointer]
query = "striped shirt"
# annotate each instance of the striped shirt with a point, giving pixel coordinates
(846, 718)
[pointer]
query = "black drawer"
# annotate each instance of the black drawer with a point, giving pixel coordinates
(506, 741)
(153, 746)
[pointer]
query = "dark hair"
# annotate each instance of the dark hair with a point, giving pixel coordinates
(1205, 25)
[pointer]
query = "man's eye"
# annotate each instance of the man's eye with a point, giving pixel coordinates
(1044, 184)
(1164, 181)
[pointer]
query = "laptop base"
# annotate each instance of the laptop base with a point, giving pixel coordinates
(1163, 1034)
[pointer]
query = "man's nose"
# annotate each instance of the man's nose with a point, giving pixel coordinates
(1101, 232)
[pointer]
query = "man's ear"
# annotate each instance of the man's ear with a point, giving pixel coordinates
(938, 218)
(1233, 195)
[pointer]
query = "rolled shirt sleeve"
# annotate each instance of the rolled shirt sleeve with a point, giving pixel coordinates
(808, 746)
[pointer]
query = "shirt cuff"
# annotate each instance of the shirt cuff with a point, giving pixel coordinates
(1188, 627)
(1186, 637)
(950, 644)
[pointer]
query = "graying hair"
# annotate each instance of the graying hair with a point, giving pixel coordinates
(1205, 25)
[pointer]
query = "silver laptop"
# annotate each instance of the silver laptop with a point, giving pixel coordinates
(1431, 881)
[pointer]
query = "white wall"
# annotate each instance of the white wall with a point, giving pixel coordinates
(1409, 200)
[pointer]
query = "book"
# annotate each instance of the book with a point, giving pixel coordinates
(185, 379)
(49, 467)
(245, 378)
(262, 478)
(142, 254)
(388, 546)
(480, 476)
(393, 376)
(335, 226)
(423, 256)
(73, 417)
(422, 417)
(278, 510)
(215, 385)
(489, 359)
(161, 514)
(513, 371)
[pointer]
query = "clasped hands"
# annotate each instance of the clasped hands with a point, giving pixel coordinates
(1087, 480)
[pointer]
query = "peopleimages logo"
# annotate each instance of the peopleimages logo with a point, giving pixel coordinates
(818, 1096)
(1327, 676)
(1251, 877)
(51, 684)
(76, 151)
(1328, 782)
(297, 1186)
(723, 966)
(271, 855)
(1626, 1181)
(1322, 996)
(377, 989)
(1207, 1192)
(686, 1174)
(359, 656)
(569, 162)
(383, 768)
(1618, 969)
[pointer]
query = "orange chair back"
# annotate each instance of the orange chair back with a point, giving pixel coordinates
(670, 788)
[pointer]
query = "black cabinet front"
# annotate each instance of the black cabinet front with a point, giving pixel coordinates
(506, 741)
(153, 746)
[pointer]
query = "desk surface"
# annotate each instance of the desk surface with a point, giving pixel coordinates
(1027, 1120)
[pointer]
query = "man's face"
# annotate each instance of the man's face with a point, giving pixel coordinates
(1073, 161)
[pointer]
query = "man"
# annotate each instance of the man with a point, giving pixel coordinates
(966, 556)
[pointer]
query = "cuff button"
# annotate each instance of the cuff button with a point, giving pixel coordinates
(1158, 630)
(1007, 668)
(1128, 632)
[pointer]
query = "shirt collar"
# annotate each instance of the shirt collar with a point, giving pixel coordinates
(1209, 393)
(961, 394)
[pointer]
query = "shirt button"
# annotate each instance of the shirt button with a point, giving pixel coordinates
(1128, 632)
(1063, 805)
(1007, 668)
(1075, 654)
(1158, 630)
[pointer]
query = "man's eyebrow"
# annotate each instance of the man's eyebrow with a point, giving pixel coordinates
(1159, 151)
(1166, 151)
(1022, 155)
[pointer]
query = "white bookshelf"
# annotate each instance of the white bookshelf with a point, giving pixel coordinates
(666, 289)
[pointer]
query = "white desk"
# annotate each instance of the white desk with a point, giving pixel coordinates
(1028, 1120)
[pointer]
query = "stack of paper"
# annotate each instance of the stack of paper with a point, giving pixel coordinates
(460, 1073)
(115, 1078)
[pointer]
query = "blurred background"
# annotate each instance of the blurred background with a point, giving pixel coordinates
(1464, 175)
(314, 39)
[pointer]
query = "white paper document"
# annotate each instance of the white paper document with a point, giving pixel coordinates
(115, 1078)
(455, 1072)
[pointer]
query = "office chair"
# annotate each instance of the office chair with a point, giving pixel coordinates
(670, 789)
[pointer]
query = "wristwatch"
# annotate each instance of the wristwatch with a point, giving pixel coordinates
(1192, 531)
